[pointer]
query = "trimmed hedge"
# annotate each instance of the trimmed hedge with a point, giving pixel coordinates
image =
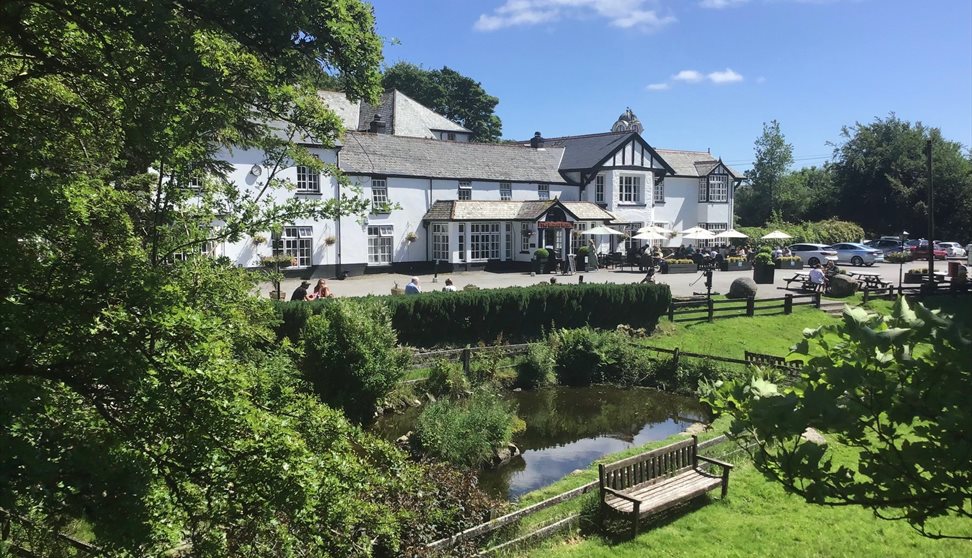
(512, 314)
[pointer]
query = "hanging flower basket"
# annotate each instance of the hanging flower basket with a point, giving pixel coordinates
(411, 237)
(330, 240)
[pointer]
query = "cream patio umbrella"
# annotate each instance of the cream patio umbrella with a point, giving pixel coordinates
(731, 233)
(654, 229)
(602, 230)
(649, 235)
(700, 234)
(776, 235)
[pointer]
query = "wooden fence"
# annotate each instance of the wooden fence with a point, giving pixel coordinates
(708, 309)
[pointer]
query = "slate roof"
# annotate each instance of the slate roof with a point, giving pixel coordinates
(403, 116)
(366, 153)
(482, 210)
(692, 163)
(583, 152)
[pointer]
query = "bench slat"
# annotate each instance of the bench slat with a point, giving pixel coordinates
(644, 456)
(677, 488)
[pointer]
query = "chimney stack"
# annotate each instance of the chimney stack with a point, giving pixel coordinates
(377, 125)
(537, 141)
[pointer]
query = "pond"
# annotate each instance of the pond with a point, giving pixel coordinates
(568, 428)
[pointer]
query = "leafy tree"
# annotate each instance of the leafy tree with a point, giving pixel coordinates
(351, 356)
(144, 398)
(446, 91)
(893, 393)
(757, 201)
(880, 174)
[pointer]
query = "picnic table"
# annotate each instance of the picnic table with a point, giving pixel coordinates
(870, 279)
(803, 279)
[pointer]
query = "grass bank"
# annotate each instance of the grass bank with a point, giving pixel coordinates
(760, 519)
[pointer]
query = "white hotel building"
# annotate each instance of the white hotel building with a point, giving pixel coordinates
(464, 205)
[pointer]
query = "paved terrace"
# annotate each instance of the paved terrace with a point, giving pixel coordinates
(681, 284)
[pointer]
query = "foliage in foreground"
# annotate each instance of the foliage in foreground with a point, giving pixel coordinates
(467, 431)
(351, 356)
(896, 389)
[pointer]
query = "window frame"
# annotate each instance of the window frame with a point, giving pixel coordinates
(380, 244)
(703, 189)
(506, 191)
(484, 241)
(543, 191)
(599, 188)
(465, 189)
(297, 241)
(307, 175)
(376, 205)
(440, 242)
(658, 191)
(629, 184)
(718, 191)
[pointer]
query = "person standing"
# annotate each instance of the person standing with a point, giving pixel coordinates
(413, 287)
(300, 293)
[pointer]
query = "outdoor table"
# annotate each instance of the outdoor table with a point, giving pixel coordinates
(798, 277)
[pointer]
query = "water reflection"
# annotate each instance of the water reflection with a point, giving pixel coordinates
(568, 428)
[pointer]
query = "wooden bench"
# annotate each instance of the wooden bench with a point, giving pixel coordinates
(657, 480)
(773, 361)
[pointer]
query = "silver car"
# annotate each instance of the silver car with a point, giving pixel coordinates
(952, 249)
(814, 253)
(857, 254)
(886, 245)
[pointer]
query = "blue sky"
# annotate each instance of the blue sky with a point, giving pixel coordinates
(700, 73)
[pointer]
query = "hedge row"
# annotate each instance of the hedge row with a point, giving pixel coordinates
(513, 314)
(818, 232)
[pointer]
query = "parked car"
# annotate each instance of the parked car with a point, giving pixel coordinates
(857, 254)
(886, 245)
(814, 253)
(920, 252)
(952, 249)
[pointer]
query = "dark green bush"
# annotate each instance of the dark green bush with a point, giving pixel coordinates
(515, 313)
(537, 369)
(585, 356)
(351, 356)
(446, 378)
(466, 432)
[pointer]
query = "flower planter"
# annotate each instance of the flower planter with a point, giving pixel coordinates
(910, 277)
(763, 274)
(683, 268)
(794, 264)
(736, 266)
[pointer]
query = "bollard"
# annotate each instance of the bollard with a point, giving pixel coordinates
(580, 279)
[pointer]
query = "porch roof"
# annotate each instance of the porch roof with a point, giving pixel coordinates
(482, 210)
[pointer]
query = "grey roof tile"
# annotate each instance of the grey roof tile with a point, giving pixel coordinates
(383, 154)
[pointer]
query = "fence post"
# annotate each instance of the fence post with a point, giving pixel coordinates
(675, 357)
(788, 304)
(466, 354)
(866, 293)
(671, 311)
(816, 299)
(709, 305)
(750, 306)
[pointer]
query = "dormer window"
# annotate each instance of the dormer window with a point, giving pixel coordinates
(465, 190)
(714, 188)
(506, 191)
(543, 191)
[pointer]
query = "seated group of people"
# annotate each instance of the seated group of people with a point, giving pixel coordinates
(820, 276)
(321, 290)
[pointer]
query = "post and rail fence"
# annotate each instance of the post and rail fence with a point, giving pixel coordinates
(711, 309)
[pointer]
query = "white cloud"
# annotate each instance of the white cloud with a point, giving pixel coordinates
(719, 4)
(658, 87)
(691, 76)
(625, 14)
(727, 76)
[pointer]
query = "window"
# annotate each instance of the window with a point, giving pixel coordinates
(543, 191)
(484, 241)
(576, 238)
(379, 193)
(719, 188)
(524, 237)
(452, 136)
(465, 190)
(629, 189)
(599, 189)
(195, 182)
(715, 228)
(462, 242)
(440, 242)
(308, 180)
(380, 244)
(659, 191)
(506, 191)
(296, 242)
(508, 229)
(703, 189)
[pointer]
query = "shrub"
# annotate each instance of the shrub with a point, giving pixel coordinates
(585, 356)
(537, 370)
(583, 250)
(350, 356)
(680, 261)
(466, 432)
(446, 378)
(734, 259)
(515, 313)
(789, 258)
(764, 257)
(899, 257)
(541, 254)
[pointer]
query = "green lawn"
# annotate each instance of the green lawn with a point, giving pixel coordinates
(760, 519)
(731, 337)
